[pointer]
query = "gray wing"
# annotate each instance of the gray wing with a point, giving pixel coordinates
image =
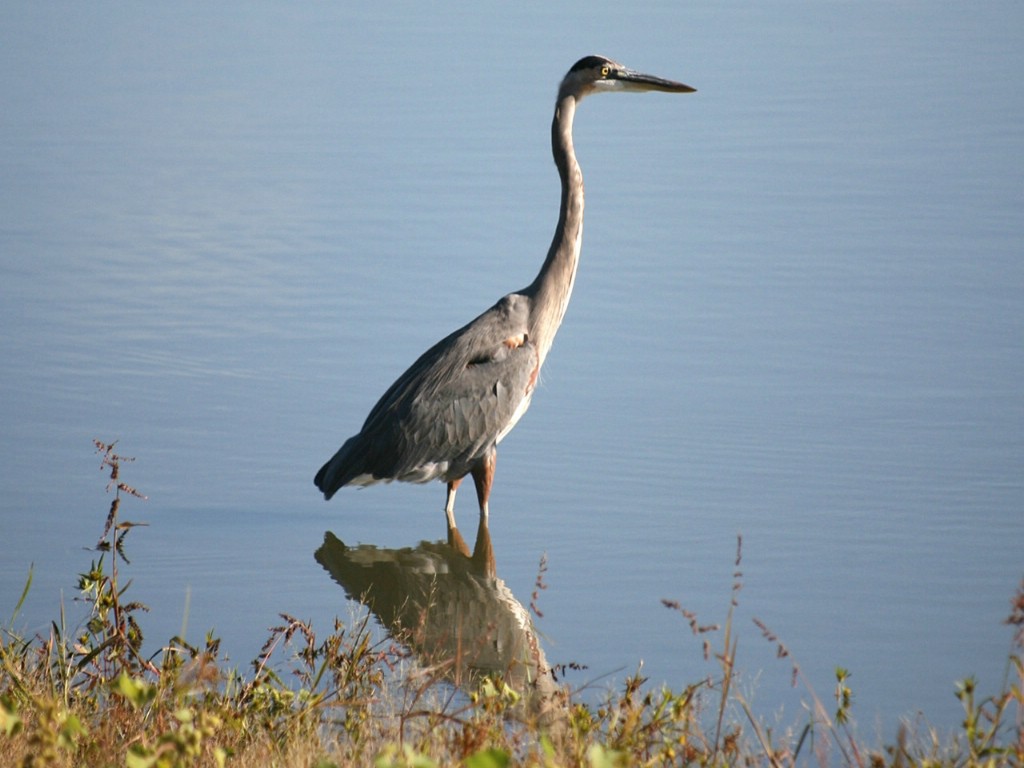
(449, 408)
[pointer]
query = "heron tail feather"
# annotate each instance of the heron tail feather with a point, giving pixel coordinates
(341, 469)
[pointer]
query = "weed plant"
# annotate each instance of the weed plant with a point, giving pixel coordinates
(89, 696)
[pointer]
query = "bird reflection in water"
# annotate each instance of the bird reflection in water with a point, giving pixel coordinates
(451, 610)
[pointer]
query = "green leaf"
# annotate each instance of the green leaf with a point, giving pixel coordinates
(137, 692)
(599, 756)
(10, 720)
(547, 747)
(24, 594)
(140, 757)
(70, 730)
(488, 758)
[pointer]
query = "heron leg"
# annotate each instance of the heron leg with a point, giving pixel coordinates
(455, 540)
(483, 477)
(483, 550)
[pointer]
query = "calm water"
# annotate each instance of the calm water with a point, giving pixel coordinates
(799, 318)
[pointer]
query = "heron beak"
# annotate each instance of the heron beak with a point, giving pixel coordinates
(638, 81)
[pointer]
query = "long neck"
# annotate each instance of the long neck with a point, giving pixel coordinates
(552, 287)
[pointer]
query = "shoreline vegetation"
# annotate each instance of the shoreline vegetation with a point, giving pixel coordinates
(88, 696)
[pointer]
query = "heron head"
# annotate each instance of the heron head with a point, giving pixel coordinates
(595, 74)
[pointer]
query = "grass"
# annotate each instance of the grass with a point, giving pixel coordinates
(89, 696)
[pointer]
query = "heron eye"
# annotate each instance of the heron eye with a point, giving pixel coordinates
(605, 71)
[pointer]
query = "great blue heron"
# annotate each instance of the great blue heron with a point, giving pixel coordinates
(443, 418)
